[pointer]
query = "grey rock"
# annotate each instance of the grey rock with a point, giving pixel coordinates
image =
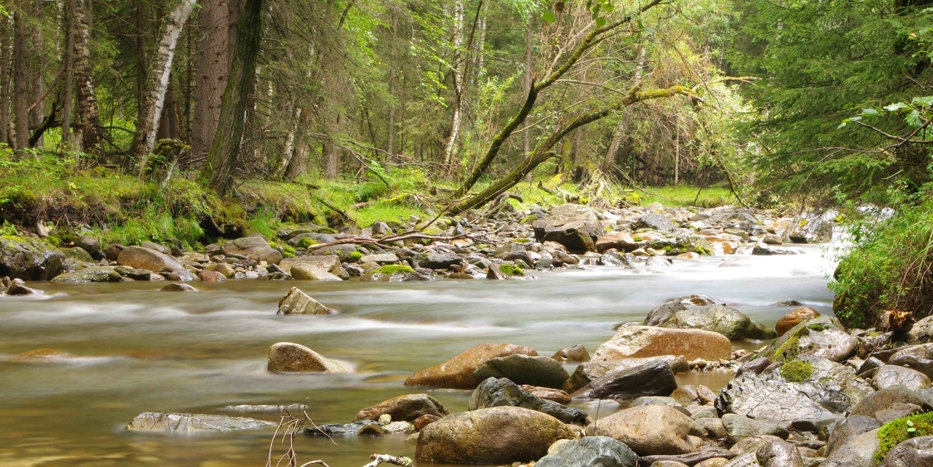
(717, 318)
(848, 429)
(821, 337)
(524, 369)
(779, 454)
(501, 392)
(190, 423)
(91, 274)
(888, 398)
(255, 248)
(740, 426)
(591, 451)
(652, 378)
(438, 260)
(357, 428)
(911, 453)
(810, 228)
(657, 222)
(857, 452)
(297, 302)
(29, 259)
(574, 226)
(888, 376)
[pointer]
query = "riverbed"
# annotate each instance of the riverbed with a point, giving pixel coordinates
(134, 349)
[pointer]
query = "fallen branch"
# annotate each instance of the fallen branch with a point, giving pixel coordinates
(388, 239)
(380, 458)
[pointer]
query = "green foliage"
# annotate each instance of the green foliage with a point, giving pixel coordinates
(889, 268)
(902, 429)
(796, 371)
(391, 269)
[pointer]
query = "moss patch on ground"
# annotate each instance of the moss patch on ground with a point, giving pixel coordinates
(903, 429)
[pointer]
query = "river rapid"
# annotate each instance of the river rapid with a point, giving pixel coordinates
(134, 349)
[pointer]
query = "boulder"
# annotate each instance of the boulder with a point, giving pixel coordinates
(889, 376)
(144, 258)
(648, 430)
(524, 369)
(574, 226)
(574, 353)
(922, 331)
(310, 272)
(810, 228)
(190, 423)
(888, 398)
(918, 357)
(551, 394)
(177, 287)
(297, 302)
(857, 452)
(739, 426)
(286, 357)
(29, 259)
(495, 435)
(618, 240)
(653, 378)
(654, 221)
(440, 260)
(457, 373)
(778, 454)
(826, 395)
(663, 312)
(591, 451)
(326, 263)
(912, 452)
(408, 407)
(650, 341)
(211, 276)
(794, 318)
(255, 248)
(17, 288)
(90, 274)
(596, 369)
(501, 392)
(849, 428)
(718, 318)
(820, 337)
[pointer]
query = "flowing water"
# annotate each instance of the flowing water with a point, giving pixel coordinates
(134, 349)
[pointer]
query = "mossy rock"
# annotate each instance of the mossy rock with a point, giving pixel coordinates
(902, 429)
(511, 270)
(29, 259)
(797, 371)
(390, 269)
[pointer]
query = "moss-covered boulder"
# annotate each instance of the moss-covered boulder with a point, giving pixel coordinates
(902, 429)
(821, 337)
(495, 435)
(29, 259)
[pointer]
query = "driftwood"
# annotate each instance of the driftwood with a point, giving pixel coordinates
(689, 459)
(380, 458)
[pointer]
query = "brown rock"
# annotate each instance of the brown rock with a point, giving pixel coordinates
(289, 357)
(621, 241)
(424, 421)
(551, 394)
(297, 302)
(211, 276)
(404, 408)
(177, 287)
(650, 341)
(329, 263)
(794, 318)
(255, 248)
(457, 373)
(648, 429)
(311, 272)
(495, 435)
(574, 353)
(144, 258)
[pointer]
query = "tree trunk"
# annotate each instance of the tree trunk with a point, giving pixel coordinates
(158, 80)
(458, 86)
(84, 81)
(390, 132)
(527, 83)
(222, 158)
(140, 52)
(288, 150)
(21, 80)
(68, 82)
(168, 123)
(212, 65)
(299, 162)
(37, 78)
(6, 53)
(620, 132)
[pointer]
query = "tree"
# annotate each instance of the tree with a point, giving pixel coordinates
(210, 73)
(84, 81)
(158, 81)
(21, 80)
(225, 149)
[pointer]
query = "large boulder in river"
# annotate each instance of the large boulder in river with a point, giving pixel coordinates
(574, 226)
(821, 337)
(501, 392)
(822, 392)
(655, 221)
(190, 423)
(649, 430)
(407, 408)
(457, 373)
(145, 258)
(297, 302)
(650, 341)
(591, 451)
(255, 248)
(496, 435)
(29, 259)
(287, 357)
(810, 228)
(524, 369)
(718, 318)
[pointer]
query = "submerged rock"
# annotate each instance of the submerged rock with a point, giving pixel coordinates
(189, 423)
(408, 407)
(495, 435)
(501, 392)
(289, 357)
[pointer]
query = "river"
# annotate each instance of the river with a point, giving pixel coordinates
(136, 349)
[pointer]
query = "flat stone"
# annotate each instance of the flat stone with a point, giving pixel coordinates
(649, 341)
(191, 423)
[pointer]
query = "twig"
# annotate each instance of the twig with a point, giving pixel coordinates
(380, 458)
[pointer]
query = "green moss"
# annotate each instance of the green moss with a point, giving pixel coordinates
(796, 371)
(788, 350)
(903, 429)
(306, 242)
(511, 270)
(529, 219)
(390, 269)
(522, 240)
(355, 255)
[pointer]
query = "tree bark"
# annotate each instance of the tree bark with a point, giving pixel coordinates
(458, 86)
(527, 83)
(158, 79)
(620, 132)
(84, 81)
(6, 54)
(222, 158)
(140, 51)
(69, 78)
(37, 78)
(212, 65)
(21, 78)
